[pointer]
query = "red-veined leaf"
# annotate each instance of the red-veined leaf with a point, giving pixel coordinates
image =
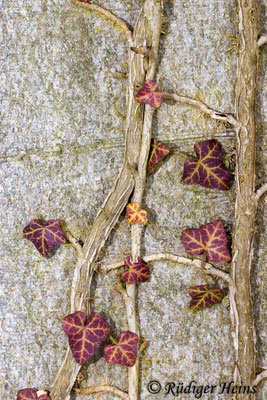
(125, 351)
(203, 296)
(31, 394)
(44, 236)
(135, 215)
(85, 336)
(210, 238)
(135, 272)
(149, 94)
(208, 170)
(157, 153)
(27, 394)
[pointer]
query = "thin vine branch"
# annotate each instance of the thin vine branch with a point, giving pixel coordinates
(75, 243)
(102, 389)
(195, 263)
(144, 51)
(260, 192)
(109, 15)
(225, 117)
(121, 289)
(260, 377)
(41, 392)
(262, 40)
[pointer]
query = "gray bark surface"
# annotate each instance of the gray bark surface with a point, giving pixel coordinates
(61, 149)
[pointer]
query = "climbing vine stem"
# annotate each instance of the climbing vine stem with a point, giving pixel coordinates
(143, 44)
(244, 336)
(137, 142)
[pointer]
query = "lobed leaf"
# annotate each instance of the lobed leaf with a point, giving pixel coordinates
(27, 394)
(31, 394)
(203, 297)
(135, 215)
(149, 94)
(135, 272)
(157, 153)
(85, 336)
(125, 351)
(208, 170)
(44, 236)
(210, 238)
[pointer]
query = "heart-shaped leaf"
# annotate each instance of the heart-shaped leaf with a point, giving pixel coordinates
(135, 272)
(203, 296)
(125, 351)
(149, 94)
(210, 238)
(44, 236)
(31, 394)
(135, 215)
(84, 336)
(208, 170)
(157, 153)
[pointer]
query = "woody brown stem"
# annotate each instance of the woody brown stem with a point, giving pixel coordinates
(245, 208)
(106, 218)
(152, 18)
(146, 32)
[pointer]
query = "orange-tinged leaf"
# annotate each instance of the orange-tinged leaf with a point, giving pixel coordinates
(208, 169)
(210, 238)
(203, 297)
(85, 336)
(149, 94)
(44, 236)
(125, 351)
(157, 153)
(135, 215)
